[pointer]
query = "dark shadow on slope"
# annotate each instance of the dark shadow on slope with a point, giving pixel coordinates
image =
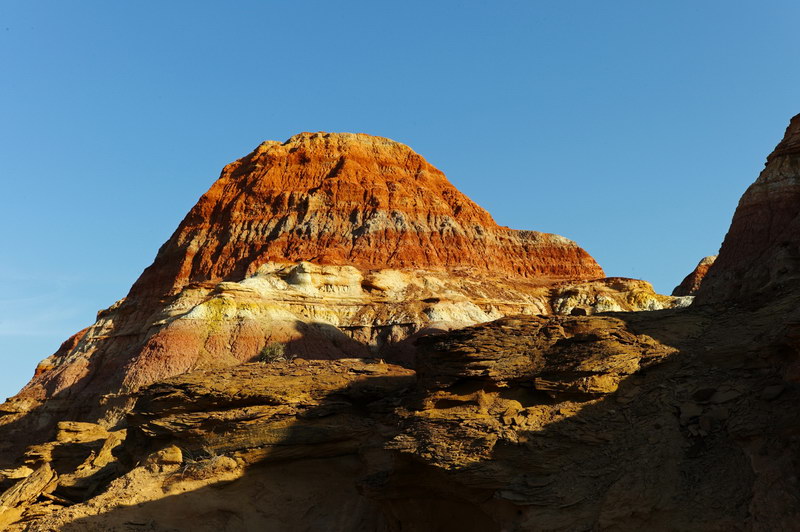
(318, 341)
(672, 448)
(394, 343)
(303, 473)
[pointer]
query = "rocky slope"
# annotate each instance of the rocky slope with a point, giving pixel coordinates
(691, 283)
(677, 419)
(332, 245)
(346, 199)
(760, 258)
(670, 420)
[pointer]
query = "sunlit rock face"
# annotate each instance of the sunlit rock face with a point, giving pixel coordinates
(760, 256)
(347, 199)
(332, 245)
(591, 419)
(672, 420)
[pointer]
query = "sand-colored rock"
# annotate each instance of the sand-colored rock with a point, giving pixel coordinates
(573, 424)
(675, 419)
(14, 500)
(332, 245)
(263, 430)
(617, 421)
(554, 354)
(316, 312)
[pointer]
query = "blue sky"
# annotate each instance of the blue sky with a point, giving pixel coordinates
(631, 127)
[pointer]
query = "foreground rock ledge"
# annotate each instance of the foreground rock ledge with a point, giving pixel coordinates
(665, 420)
(529, 423)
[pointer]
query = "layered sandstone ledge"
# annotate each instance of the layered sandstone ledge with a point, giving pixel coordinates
(679, 419)
(619, 421)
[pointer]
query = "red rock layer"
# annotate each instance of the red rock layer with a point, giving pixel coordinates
(691, 283)
(346, 199)
(335, 199)
(761, 252)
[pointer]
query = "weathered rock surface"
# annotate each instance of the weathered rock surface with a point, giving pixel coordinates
(691, 283)
(334, 245)
(623, 421)
(679, 419)
(346, 199)
(612, 422)
(317, 312)
(760, 256)
(259, 446)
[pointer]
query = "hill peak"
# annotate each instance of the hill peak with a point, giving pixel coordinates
(347, 199)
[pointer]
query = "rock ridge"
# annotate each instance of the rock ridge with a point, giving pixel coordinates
(346, 199)
(760, 255)
(679, 419)
(334, 245)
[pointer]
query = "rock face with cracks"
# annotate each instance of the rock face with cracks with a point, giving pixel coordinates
(329, 245)
(593, 419)
(346, 199)
(619, 421)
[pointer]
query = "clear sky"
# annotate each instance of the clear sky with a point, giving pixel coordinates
(631, 127)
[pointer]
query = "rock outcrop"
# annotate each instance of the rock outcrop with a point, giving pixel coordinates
(262, 429)
(760, 256)
(331, 245)
(346, 199)
(678, 419)
(625, 421)
(691, 283)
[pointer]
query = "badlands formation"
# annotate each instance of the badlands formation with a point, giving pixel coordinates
(335, 338)
(333, 245)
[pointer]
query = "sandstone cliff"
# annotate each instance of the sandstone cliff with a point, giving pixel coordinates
(677, 419)
(673, 420)
(333, 245)
(346, 199)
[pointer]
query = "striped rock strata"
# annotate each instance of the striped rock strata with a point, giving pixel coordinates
(331, 245)
(673, 420)
(760, 255)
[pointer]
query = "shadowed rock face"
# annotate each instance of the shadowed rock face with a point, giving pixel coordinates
(681, 419)
(630, 421)
(691, 283)
(760, 256)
